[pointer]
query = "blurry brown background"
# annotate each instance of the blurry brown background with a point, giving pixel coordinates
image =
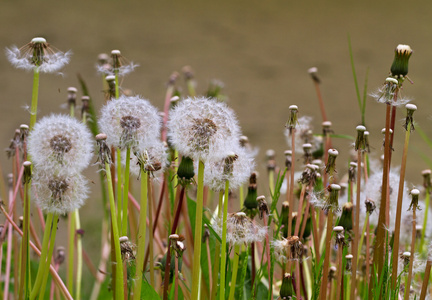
(261, 50)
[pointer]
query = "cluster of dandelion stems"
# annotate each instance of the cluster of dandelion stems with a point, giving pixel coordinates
(327, 240)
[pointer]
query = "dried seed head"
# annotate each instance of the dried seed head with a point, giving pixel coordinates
(331, 161)
(414, 205)
(332, 273)
(313, 73)
(126, 249)
(241, 230)
(292, 119)
(60, 255)
(262, 207)
(409, 121)
(288, 159)
(326, 125)
(360, 143)
(352, 172)
(427, 183)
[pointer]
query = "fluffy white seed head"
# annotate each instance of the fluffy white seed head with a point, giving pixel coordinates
(129, 121)
(153, 158)
(60, 142)
(203, 129)
(236, 170)
(59, 194)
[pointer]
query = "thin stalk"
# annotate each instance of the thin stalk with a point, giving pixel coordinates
(176, 283)
(367, 252)
(79, 256)
(323, 290)
(223, 245)
(198, 232)
(125, 194)
(412, 249)
(426, 280)
(366, 222)
(378, 258)
(34, 103)
(320, 100)
(216, 264)
(271, 181)
(339, 270)
(234, 271)
(117, 93)
(151, 235)
(117, 261)
(356, 228)
(71, 252)
(270, 278)
(297, 282)
(423, 233)
(8, 228)
(41, 292)
(25, 253)
(210, 279)
(300, 211)
(141, 237)
(43, 258)
(120, 217)
(399, 205)
(291, 186)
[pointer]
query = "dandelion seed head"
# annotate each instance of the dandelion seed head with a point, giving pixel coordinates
(129, 122)
(203, 129)
(59, 194)
(60, 142)
(152, 157)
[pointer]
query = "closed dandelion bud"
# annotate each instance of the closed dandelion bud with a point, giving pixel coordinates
(333, 198)
(59, 142)
(399, 67)
(360, 143)
(262, 207)
(60, 255)
(339, 236)
(27, 172)
(104, 153)
(346, 220)
(331, 162)
(37, 55)
(370, 205)
(251, 202)
(414, 199)
(71, 96)
(129, 122)
(409, 122)
(352, 172)
(332, 273)
(288, 159)
(287, 289)
(307, 154)
(284, 218)
(348, 258)
(427, 183)
(186, 171)
(203, 129)
(59, 194)
(292, 119)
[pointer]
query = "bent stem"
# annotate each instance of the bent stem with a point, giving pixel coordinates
(141, 237)
(223, 245)
(198, 233)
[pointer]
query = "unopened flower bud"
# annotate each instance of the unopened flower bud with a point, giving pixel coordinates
(399, 67)
(185, 171)
(346, 221)
(287, 290)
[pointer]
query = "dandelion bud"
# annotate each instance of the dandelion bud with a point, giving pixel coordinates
(399, 67)
(409, 122)
(262, 207)
(348, 258)
(352, 172)
(60, 255)
(331, 162)
(427, 183)
(251, 202)
(287, 289)
(27, 171)
(284, 218)
(185, 171)
(293, 119)
(288, 159)
(332, 273)
(313, 73)
(346, 221)
(360, 140)
(414, 200)
(326, 125)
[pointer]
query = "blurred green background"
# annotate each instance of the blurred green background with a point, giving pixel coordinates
(261, 50)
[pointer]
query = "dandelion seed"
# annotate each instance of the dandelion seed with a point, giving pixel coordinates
(60, 142)
(39, 55)
(203, 129)
(129, 122)
(117, 64)
(291, 245)
(153, 158)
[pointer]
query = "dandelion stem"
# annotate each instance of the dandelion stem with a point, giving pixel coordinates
(339, 270)
(71, 251)
(412, 249)
(79, 256)
(399, 207)
(323, 290)
(125, 194)
(216, 264)
(291, 186)
(35, 94)
(425, 219)
(426, 280)
(234, 271)
(356, 228)
(365, 225)
(120, 216)
(223, 245)
(151, 234)
(141, 237)
(117, 260)
(25, 253)
(176, 283)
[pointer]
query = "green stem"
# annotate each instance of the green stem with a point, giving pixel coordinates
(234, 271)
(71, 252)
(427, 201)
(25, 253)
(117, 261)
(125, 193)
(362, 235)
(120, 218)
(34, 103)
(79, 257)
(198, 233)
(41, 292)
(217, 253)
(117, 93)
(43, 257)
(72, 111)
(271, 181)
(141, 237)
(223, 246)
